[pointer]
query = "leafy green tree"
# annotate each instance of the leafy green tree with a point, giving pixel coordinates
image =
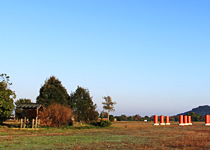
(23, 101)
(121, 118)
(7, 97)
(130, 118)
(18, 112)
(194, 116)
(146, 118)
(52, 92)
(108, 104)
(82, 105)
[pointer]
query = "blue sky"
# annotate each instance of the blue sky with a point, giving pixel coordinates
(151, 57)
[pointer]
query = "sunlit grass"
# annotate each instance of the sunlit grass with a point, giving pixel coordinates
(122, 135)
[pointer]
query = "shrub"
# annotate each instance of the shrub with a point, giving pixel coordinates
(102, 123)
(55, 115)
(111, 118)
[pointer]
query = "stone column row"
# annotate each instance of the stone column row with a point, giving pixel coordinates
(185, 120)
(161, 120)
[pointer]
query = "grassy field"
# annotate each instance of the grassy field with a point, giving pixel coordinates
(121, 135)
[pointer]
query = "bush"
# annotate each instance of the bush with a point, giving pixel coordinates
(102, 123)
(55, 115)
(111, 118)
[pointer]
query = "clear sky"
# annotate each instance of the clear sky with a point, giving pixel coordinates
(150, 56)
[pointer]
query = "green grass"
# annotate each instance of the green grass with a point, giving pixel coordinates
(63, 142)
(122, 135)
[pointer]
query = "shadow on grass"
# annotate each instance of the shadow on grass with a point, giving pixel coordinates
(5, 125)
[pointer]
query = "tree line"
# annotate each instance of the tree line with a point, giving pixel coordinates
(54, 96)
(80, 101)
(79, 104)
(194, 117)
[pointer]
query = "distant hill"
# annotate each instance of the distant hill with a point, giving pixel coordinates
(202, 110)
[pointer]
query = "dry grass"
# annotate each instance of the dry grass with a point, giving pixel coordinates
(122, 135)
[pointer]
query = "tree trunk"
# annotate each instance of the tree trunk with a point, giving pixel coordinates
(108, 115)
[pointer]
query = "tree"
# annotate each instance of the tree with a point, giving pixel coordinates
(18, 112)
(147, 118)
(52, 92)
(108, 104)
(130, 118)
(136, 117)
(93, 114)
(7, 97)
(194, 116)
(82, 105)
(22, 101)
(121, 118)
(103, 114)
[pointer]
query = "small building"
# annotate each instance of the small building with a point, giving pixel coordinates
(29, 110)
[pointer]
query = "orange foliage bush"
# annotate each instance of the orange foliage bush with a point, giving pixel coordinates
(55, 115)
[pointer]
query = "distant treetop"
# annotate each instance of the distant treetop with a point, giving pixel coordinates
(52, 92)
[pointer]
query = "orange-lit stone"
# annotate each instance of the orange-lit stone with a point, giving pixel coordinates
(156, 120)
(207, 121)
(167, 120)
(185, 120)
(189, 120)
(181, 120)
(162, 120)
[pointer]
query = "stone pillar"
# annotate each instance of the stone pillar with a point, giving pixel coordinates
(167, 120)
(189, 120)
(181, 120)
(162, 120)
(156, 120)
(185, 120)
(207, 121)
